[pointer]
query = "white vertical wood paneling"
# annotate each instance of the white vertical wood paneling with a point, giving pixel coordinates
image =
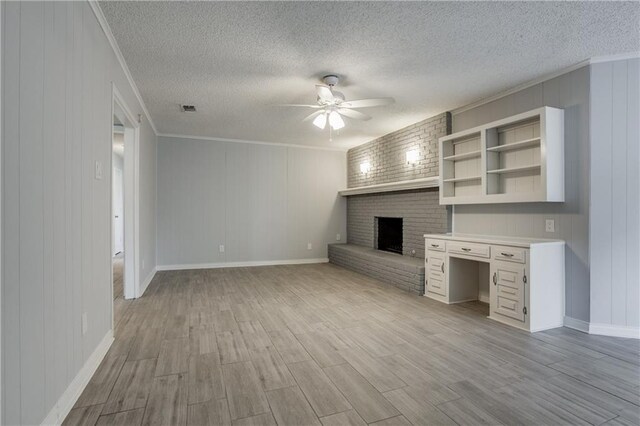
(615, 193)
(57, 74)
(633, 194)
(570, 92)
(261, 202)
(11, 214)
(31, 212)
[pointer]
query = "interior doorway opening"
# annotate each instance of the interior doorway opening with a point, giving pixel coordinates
(124, 207)
(117, 218)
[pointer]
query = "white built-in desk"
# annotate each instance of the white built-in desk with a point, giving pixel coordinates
(521, 278)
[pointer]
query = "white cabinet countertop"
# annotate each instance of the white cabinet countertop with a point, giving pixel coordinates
(494, 239)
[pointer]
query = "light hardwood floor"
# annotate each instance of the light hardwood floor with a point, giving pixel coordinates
(317, 344)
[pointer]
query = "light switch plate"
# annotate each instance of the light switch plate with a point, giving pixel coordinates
(98, 173)
(309, 246)
(338, 236)
(550, 225)
(221, 248)
(85, 323)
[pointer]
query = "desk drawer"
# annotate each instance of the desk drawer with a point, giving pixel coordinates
(469, 249)
(437, 245)
(510, 254)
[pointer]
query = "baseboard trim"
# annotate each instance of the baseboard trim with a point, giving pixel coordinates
(576, 324)
(66, 402)
(241, 264)
(615, 330)
(602, 329)
(147, 281)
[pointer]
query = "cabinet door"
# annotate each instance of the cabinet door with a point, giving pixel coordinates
(508, 292)
(434, 273)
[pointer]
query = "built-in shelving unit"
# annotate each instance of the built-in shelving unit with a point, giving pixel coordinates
(462, 171)
(516, 159)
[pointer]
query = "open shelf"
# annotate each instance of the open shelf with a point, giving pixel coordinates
(466, 155)
(515, 169)
(515, 145)
(463, 179)
(504, 161)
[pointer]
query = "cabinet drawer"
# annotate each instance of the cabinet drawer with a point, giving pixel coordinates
(470, 249)
(437, 245)
(510, 254)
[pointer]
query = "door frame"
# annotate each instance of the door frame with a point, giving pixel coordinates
(131, 180)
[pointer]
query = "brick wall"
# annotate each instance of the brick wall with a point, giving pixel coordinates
(420, 210)
(387, 155)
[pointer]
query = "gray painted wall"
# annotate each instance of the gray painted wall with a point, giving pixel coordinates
(262, 202)
(58, 68)
(615, 193)
(570, 92)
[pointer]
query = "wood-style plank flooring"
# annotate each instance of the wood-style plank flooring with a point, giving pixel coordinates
(321, 345)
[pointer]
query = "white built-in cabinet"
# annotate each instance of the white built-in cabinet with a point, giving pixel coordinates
(516, 159)
(521, 279)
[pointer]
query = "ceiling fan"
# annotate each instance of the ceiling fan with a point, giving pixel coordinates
(332, 105)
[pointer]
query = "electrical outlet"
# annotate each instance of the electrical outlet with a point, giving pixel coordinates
(221, 248)
(309, 246)
(85, 323)
(550, 225)
(338, 236)
(98, 173)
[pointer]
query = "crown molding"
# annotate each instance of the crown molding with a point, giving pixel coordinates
(286, 145)
(546, 77)
(102, 20)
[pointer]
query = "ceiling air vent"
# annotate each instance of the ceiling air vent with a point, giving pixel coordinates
(187, 108)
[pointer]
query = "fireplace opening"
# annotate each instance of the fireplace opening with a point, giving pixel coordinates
(390, 234)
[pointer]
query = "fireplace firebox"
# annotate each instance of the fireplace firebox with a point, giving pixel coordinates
(389, 230)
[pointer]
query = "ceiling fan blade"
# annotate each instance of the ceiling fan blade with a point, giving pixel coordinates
(353, 114)
(324, 93)
(313, 115)
(299, 105)
(365, 103)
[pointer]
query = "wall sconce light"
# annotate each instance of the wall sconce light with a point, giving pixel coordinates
(365, 168)
(412, 156)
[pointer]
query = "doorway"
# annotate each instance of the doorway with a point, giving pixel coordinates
(124, 207)
(117, 218)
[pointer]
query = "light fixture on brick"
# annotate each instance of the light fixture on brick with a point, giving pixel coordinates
(365, 167)
(412, 156)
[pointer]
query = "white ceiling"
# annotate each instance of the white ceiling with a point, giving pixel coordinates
(234, 60)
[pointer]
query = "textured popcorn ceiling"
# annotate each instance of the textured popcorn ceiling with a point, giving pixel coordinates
(234, 60)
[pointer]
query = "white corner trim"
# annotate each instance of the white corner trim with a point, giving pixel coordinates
(240, 264)
(615, 330)
(102, 20)
(603, 329)
(147, 281)
(576, 324)
(64, 405)
(286, 145)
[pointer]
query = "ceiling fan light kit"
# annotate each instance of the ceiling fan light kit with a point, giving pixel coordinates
(332, 106)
